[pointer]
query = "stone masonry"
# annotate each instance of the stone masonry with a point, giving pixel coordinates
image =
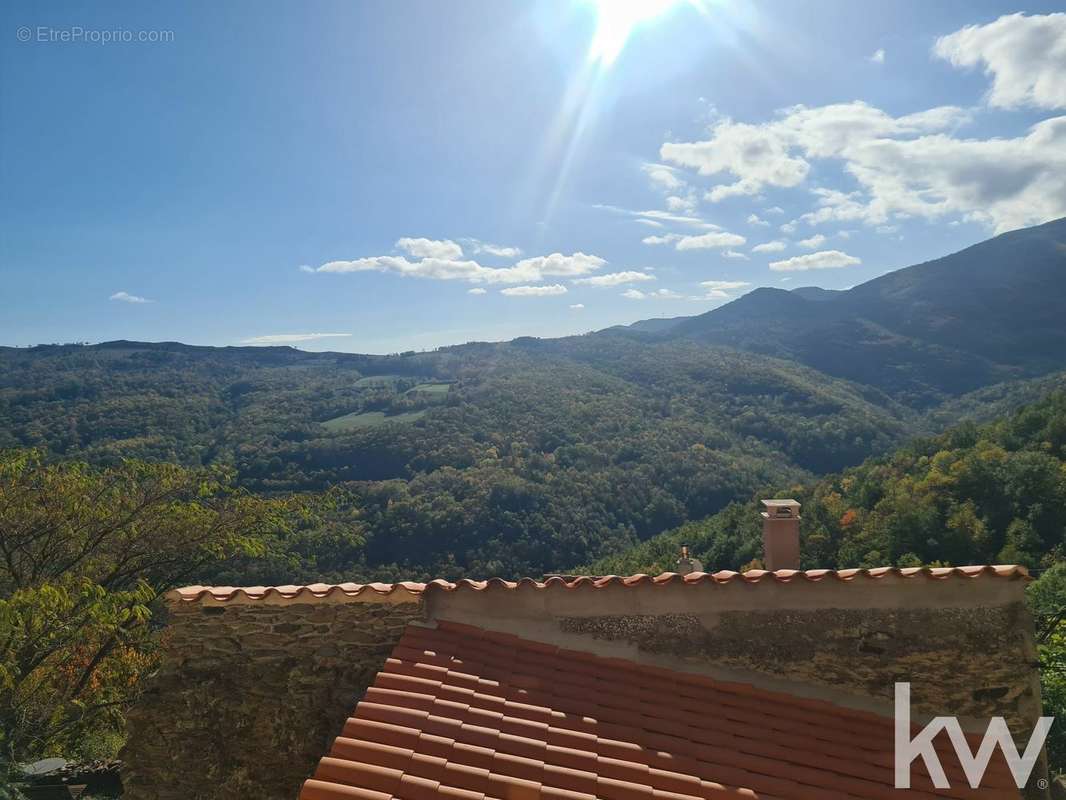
(251, 695)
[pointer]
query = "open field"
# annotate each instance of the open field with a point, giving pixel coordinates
(369, 419)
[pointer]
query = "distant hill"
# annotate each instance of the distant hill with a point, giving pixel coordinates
(992, 312)
(533, 455)
(816, 293)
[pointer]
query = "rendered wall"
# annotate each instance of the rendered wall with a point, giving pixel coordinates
(965, 644)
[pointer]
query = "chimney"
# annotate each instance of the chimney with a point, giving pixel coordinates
(687, 563)
(781, 534)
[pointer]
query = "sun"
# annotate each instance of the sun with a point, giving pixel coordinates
(615, 21)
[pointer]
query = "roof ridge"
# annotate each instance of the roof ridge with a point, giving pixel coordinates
(223, 594)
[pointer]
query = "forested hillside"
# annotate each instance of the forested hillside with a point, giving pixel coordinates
(990, 313)
(538, 454)
(487, 459)
(977, 494)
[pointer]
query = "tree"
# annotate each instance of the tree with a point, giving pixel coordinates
(84, 555)
(1047, 600)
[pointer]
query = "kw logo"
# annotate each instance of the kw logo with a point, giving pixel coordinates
(973, 764)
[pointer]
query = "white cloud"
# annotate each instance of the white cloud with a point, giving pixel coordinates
(1024, 56)
(528, 270)
(476, 291)
(774, 210)
(789, 227)
(812, 243)
(651, 223)
(907, 166)
(734, 254)
(534, 291)
(702, 242)
(577, 307)
(288, 338)
(769, 247)
(559, 265)
(126, 297)
(663, 177)
(778, 153)
(501, 251)
(430, 248)
(826, 259)
(666, 238)
(306, 268)
(724, 286)
(879, 56)
(658, 294)
(687, 203)
(709, 240)
(755, 219)
(616, 278)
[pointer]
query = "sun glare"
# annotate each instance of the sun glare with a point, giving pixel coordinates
(616, 20)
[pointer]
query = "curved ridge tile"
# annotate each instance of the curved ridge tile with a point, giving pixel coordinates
(224, 594)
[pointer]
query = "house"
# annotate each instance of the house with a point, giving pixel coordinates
(773, 683)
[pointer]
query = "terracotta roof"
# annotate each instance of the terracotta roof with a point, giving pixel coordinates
(467, 714)
(224, 594)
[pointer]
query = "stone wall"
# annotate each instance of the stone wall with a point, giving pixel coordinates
(251, 695)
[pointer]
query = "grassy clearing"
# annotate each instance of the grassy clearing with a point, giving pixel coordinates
(436, 390)
(377, 380)
(369, 419)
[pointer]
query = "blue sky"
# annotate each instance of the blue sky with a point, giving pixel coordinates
(414, 174)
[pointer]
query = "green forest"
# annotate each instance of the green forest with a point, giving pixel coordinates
(130, 469)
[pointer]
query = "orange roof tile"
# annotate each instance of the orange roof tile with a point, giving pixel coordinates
(469, 714)
(323, 590)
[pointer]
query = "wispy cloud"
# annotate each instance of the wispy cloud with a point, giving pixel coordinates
(534, 291)
(659, 216)
(755, 219)
(477, 291)
(126, 297)
(528, 270)
(290, 338)
(878, 56)
(725, 286)
(775, 246)
(664, 177)
(577, 307)
(658, 294)
(488, 248)
(719, 290)
(616, 278)
(826, 259)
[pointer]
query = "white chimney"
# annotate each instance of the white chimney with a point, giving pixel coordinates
(781, 534)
